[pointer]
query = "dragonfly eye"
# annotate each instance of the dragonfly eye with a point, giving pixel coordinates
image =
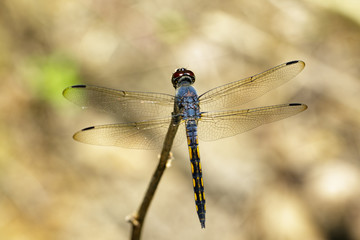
(180, 73)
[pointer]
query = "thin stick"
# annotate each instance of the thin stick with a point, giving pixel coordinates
(137, 221)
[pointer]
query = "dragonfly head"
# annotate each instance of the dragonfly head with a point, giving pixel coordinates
(182, 75)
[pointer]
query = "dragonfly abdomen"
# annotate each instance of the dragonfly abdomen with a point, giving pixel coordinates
(198, 183)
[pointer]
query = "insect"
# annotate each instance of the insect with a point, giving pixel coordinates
(145, 116)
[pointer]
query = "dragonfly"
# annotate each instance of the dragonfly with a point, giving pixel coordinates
(145, 116)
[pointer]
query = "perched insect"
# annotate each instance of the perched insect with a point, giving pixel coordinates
(146, 116)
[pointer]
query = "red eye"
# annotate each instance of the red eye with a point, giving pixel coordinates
(182, 72)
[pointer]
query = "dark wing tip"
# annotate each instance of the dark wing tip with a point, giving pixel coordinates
(299, 104)
(75, 86)
(295, 61)
(78, 86)
(76, 135)
(88, 128)
(292, 62)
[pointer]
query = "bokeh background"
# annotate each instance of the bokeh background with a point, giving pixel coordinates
(294, 179)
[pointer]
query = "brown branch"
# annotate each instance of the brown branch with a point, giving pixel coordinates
(137, 221)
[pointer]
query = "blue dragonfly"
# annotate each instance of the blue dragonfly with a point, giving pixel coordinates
(146, 116)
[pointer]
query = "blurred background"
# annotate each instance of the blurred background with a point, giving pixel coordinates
(294, 179)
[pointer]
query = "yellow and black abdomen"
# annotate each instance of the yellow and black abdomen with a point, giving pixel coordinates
(198, 183)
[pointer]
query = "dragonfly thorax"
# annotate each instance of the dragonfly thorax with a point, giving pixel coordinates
(181, 77)
(188, 102)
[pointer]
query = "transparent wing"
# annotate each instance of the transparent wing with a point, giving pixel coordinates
(140, 135)
(242, 91)
(127, 106)
(216, 125)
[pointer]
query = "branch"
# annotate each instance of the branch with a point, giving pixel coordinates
(137, 221)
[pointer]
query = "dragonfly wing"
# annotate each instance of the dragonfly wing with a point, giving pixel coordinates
(216, 125)
(239, 92)
(140, 135)
(126, 106)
